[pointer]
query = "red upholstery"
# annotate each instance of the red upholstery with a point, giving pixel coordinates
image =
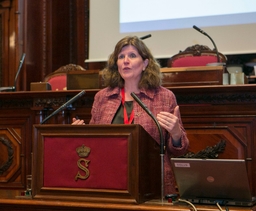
(58, 78)
(188, 61)
(196, 55)
(58, 82)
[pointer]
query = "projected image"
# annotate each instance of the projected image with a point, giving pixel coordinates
(230, 23)
(151, 15)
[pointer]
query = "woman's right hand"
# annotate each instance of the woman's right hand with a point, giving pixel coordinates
(77, 122)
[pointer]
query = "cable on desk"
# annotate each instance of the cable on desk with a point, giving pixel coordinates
(188, 202)
(219, 207)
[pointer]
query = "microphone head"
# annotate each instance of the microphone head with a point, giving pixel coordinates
(200, 30)
(195, 27)
(23, 57)
(145, 37)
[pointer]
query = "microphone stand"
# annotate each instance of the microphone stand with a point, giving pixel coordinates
(204, 33)
(64, 106)
(161, 141)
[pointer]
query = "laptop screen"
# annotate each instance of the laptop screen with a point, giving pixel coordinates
(210, 180)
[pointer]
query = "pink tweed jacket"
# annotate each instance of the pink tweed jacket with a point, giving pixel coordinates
(107, 102)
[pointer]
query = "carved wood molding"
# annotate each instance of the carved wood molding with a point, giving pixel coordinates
(5, 3)
(16, 103)
(208, 152)
(49, 103)
(10, 151)
(44, 37)
(217, 98)
(197, 50)
(1, 50)
(86, 31)
(63, 70)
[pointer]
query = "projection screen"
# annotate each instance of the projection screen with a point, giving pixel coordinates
(230, 23)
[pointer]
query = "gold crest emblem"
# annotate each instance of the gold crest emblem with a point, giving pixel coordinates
(83, 151)
(82, 163)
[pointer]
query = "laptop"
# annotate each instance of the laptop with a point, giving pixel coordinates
(213, 181)
(13, 88)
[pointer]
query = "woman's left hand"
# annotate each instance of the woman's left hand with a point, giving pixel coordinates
(170, 122)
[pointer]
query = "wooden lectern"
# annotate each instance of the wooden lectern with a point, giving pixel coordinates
(96, 163)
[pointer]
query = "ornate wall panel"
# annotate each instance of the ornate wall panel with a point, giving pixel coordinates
(221, 113)
(235, 131)
(209, 114)
(15, 130)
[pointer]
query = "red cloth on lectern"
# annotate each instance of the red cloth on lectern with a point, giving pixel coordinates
(108, 162)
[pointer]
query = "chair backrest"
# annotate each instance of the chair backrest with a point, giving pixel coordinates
(196, 55)
(58, 78)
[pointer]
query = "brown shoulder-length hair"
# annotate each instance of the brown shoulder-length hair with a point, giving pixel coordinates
(151, 77)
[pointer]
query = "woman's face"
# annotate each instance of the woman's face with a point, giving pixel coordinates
(130, 64)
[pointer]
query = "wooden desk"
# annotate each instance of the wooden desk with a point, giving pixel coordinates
(193, 76)
(41, 205)
(209, 114)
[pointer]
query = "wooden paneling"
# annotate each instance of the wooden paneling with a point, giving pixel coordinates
(221, 113)
(129, 163)
(209, 114)
(56, 36)
(51, 33)
(51, 205)
(56, 33)
(4, 44)
(15, 130)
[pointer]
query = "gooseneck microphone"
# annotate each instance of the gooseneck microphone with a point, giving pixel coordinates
(13, 88)
(162, 142)
(19, 68)
(204, 33)
(155, 120)
(145, 37)
(80, 94)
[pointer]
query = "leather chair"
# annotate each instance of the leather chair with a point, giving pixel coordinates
(196, 55)
(58, 78)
